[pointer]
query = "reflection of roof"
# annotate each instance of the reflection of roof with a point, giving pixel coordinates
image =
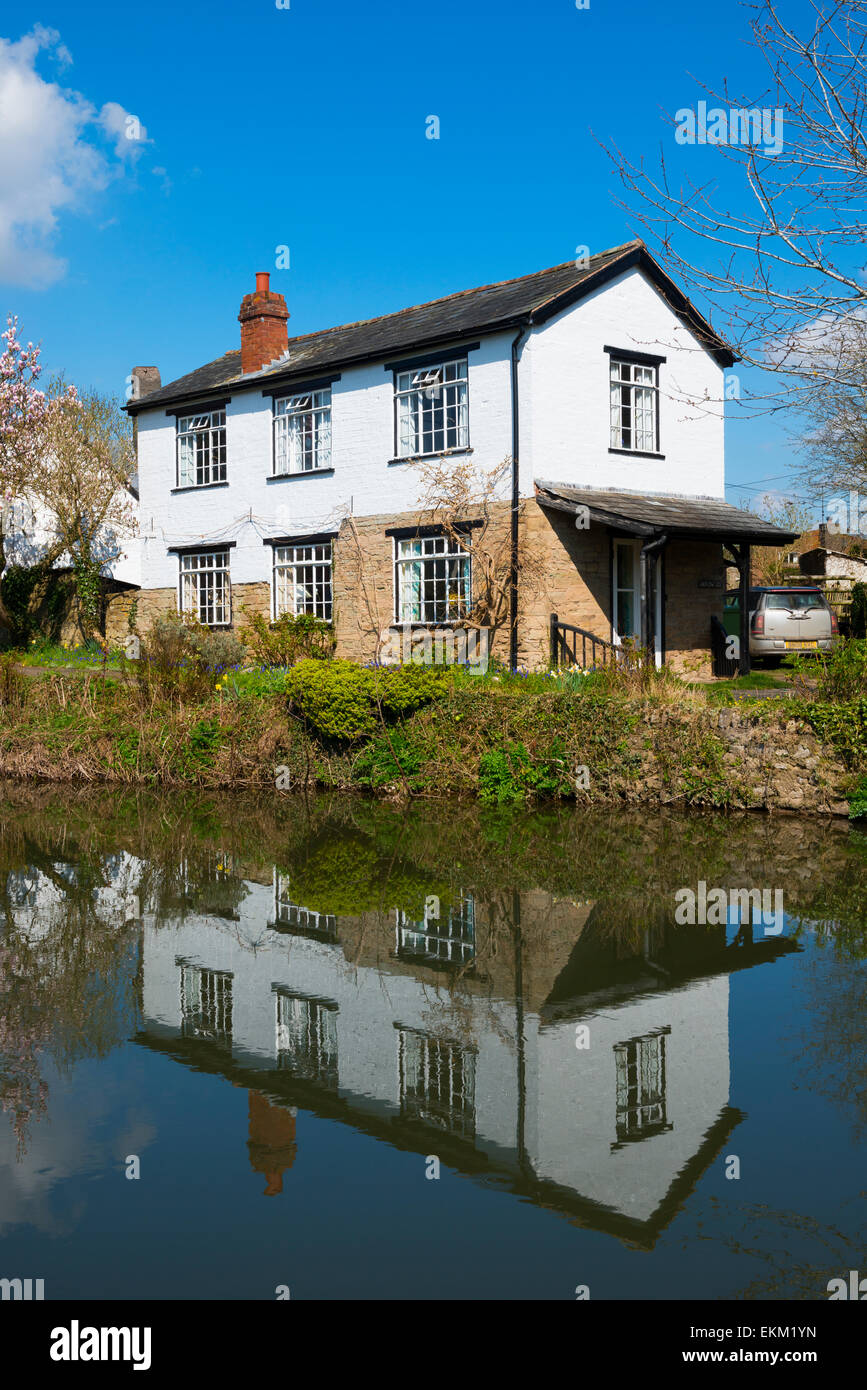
(597, 970)
(485, 309)
(649, 513)
(283, 1089)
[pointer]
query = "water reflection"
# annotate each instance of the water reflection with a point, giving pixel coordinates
(509, 994)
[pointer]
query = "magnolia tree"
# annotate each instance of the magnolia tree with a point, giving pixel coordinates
(82, 488)
(22, 413)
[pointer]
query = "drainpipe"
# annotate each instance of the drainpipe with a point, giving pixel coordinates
(516, 501)
(649, 552)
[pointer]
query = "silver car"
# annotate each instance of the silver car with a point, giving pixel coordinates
(785, 618)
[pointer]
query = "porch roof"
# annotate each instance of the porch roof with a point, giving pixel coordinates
(654, 513)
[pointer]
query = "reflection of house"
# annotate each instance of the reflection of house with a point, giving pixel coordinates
(441, 937)
(485, 1063)
(293, 916)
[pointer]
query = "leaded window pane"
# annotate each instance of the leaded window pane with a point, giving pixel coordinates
(201, 441)
(433, 409)
(433, 580)
(302, 580)
(302, 432)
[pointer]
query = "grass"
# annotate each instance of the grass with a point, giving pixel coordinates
(504, 737)
(62, 654)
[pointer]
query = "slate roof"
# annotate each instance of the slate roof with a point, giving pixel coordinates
(650, 514)
(482, 310)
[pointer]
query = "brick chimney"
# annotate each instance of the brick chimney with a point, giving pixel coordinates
(143, 380)
(263, 319)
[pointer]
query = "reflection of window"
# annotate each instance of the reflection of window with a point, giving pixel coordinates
(300, 919)
(640, 1071)
(448, 937)
(307, 1038)
(437, 1082)
(206, 1004)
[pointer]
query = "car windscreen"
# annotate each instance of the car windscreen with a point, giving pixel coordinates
(794, 600)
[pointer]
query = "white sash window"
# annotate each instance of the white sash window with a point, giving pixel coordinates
(206, 589)
(302, 432)
(202, 449)
(432, 409)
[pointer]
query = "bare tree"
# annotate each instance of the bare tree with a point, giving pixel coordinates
(770, 563)
(453, 492)
(784, 283)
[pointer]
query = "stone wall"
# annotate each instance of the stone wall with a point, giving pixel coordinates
(689, 607)
(363, 580)
(775, 767)
(563, 570)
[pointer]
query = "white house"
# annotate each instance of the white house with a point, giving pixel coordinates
(287, 474)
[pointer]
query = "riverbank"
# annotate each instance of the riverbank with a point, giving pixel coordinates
(430, 734)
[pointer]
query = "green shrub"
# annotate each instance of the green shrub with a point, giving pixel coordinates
(344, 702)
(844, 725)
(842, 674)
(388, 759)
(288, 639)
(335, 697)
(858, 611)
(181, 658)
(510, 773)
(858, 801)
(402, 689)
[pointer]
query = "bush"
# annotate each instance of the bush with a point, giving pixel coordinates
(509, 773)
(215, 651)
(858, 611)
(13, 690)
(287, 640)
(345, 702)
(842, 674)
(858, 801)
(181, 658)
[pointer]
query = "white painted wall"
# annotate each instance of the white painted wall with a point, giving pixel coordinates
(564, 421)
(572, 1109)
(363, 482)
(565, 413)
(31, 530)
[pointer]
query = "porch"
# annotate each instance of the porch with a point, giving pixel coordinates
(666, 559)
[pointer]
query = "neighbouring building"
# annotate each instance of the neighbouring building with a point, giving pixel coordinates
(289, 475)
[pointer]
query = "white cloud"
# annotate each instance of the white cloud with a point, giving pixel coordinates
(125, 129)
(51, 157)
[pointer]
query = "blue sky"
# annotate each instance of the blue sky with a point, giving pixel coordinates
(305, 127)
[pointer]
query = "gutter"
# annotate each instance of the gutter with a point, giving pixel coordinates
(516, 501)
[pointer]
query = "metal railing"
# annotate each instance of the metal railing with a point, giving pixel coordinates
(723, 664)
(567, 641)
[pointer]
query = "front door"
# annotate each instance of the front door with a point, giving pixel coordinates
(626, 618)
